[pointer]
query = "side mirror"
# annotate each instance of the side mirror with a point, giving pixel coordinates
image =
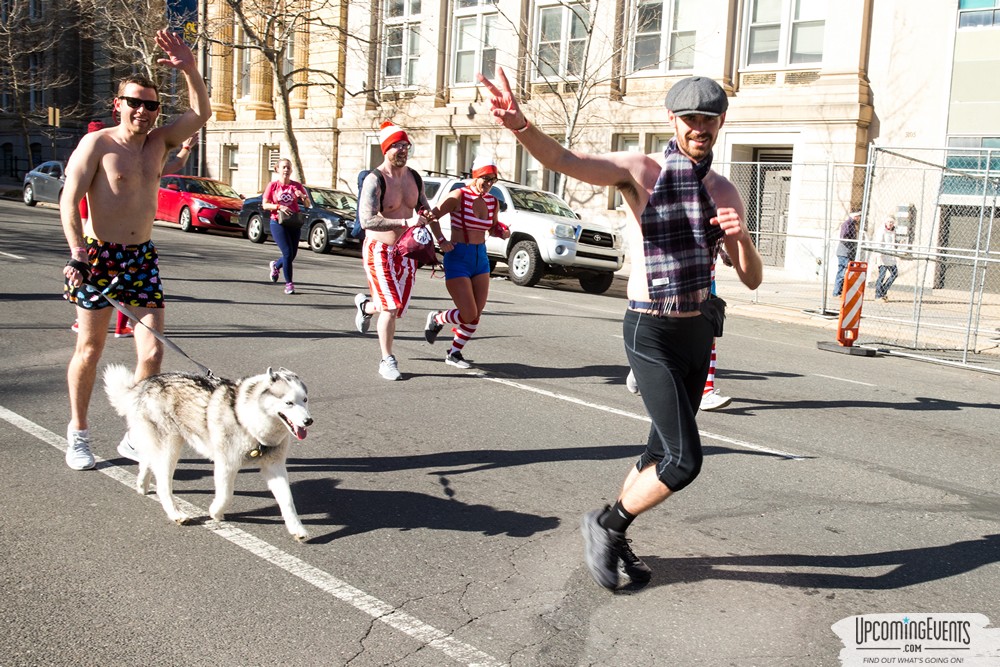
(174, 187)
(503, 206)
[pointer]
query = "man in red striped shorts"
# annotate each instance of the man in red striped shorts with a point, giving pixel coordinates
(385, 213)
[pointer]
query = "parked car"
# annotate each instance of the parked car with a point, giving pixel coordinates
(44, 183)
(546, 236)
(327, 223)
(194, 202)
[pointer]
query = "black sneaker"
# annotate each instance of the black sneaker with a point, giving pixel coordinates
(457, 360)
(600, 549)
(432, 328)
(631, 565)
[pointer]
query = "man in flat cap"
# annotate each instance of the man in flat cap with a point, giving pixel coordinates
(679, 214)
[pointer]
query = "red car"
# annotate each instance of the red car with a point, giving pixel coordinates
(195, 202)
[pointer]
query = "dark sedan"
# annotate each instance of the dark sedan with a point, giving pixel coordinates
(44, 183)
(327, 223)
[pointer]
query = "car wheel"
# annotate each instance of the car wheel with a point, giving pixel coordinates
(29, 195)
(597, 283)
(185, 220)
(319, 240)
(255, 229)
(524, 265)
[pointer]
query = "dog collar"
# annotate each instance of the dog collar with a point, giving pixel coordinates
(259, 450)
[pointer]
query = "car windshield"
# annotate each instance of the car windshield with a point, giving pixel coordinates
(342, 201)
(537, 201)
(216, 188)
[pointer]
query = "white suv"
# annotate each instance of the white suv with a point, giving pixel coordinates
(546, 236)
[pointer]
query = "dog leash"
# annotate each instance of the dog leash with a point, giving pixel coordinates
(122, 308)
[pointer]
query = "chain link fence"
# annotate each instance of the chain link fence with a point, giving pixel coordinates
(944, 240)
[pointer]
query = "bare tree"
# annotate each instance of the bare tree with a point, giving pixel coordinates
(31, 73)
(584, 64)
(277, 32)
(126, 30)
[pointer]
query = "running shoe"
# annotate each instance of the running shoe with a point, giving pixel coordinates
(713, 400)
(78, 454)
(432, 328)
(600, 549)
(127, 332)
(388, 368)
(274, 271)
(630, 383)
(362, 320)
(126, 450)
(289, 288)
(76, 327)
(631, 565)
(457, 360)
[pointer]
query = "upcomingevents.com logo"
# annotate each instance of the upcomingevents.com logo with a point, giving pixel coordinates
(918, 639)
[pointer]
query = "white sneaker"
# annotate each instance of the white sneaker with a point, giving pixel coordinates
(78, 454)
(126, 450)
(388, 369)
(713, 400)
(630, 382)
(362, 320)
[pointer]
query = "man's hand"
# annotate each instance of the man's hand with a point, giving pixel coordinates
(728, 220)
(503, 106)
(179, 56)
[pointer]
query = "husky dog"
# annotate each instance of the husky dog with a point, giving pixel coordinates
(232, 423)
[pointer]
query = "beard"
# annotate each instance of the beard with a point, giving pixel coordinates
(398, 159)
(696, 151)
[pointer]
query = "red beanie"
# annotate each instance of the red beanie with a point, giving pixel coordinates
(390, 134)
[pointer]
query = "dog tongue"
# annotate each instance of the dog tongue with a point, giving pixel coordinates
(300, 432)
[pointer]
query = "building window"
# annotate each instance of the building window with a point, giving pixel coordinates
(561, 41)
(36, 91)
(241, 63)
(475, 39)
(624, 143)
(533, 174)
(230, 162)
(664, 35)
(455, 156)
(401, 42)
(785, 33)
(978, 13)
(979, 154)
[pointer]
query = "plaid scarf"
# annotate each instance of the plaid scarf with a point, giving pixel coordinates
(679, 244)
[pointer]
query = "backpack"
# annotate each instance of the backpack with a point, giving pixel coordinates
(358, 231)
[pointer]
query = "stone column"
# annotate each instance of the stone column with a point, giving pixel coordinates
(261, 105)
(220, 24)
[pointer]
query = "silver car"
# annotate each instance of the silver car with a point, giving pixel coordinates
(44, 183)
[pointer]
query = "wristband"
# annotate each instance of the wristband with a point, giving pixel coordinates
(526, 126)
(82, 267)
(441, 239)
(77, 249)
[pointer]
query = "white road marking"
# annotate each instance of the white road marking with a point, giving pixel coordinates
(831, 377)
(7, 254)
(406, 623)
(634, 415)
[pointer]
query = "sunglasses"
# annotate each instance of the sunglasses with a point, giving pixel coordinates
(135, 103)
(489, 179)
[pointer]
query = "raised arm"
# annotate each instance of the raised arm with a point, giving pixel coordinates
(731, 219)
(179, 57)
(607, 169)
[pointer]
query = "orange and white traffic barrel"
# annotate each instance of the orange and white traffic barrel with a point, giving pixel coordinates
(853, 299)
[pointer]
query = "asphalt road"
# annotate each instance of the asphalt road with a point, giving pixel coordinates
(445, 508)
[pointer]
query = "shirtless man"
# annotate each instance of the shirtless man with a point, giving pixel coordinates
(118, 170)
(385, 215)
(679, 212)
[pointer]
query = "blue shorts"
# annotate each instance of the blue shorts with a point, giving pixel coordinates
(466, 260)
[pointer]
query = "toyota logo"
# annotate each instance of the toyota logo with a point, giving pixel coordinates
(597, 238)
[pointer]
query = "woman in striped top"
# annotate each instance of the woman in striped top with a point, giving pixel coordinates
(473, 213)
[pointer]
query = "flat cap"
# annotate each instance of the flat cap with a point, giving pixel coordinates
(697, 95)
